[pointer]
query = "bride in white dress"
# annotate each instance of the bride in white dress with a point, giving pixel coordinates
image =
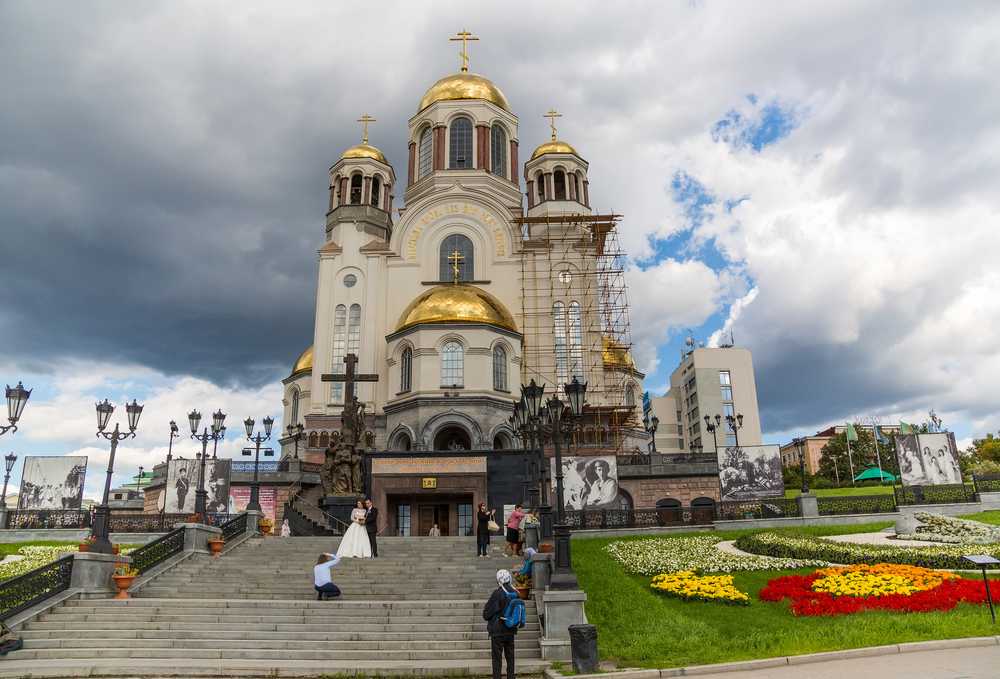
(355, 542)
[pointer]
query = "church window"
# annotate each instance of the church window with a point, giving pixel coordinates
(574, 186)
(354, 330)
(339, 351)
(452, 365)
(560, 184)
(559, 329)
(376, 190)
(498, 151)
(460, 151)
(350, 280)
(462, 244)
(540, 185)
(356, 182)
(499, 369)
(575, 341)
(406, 370)
(294, 414)
(425, 153)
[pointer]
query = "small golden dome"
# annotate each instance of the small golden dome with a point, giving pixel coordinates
(456, 303)
(463, 86)
(614, 355)
(304, 362)
(554, 146)
(364, 151)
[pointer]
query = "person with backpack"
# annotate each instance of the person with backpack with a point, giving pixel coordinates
(504, 614)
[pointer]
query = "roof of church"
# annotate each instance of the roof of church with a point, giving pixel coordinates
(554, 146)
(463, 86)
(456, 303)
(364, 151)
(304, 362)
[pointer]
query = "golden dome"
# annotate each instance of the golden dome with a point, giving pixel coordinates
(554, 146)
(304, 362)
(614, 355)
(463, 86)
(456, 303)
(364, 151)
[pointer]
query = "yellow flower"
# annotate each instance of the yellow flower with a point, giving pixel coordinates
(688, 585)
(881, 579)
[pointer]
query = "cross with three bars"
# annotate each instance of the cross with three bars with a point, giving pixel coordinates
(349, 378)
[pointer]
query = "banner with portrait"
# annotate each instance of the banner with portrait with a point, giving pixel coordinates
(239, 498)
(928, 459)
(750, 472)
(52, 482)
(588, 482)
(182, 484)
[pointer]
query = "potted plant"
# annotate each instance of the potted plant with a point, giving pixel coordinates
(545, 547)
(86, 544)
(266, 526)
(522, 584)
(124, 576)
(215, 544)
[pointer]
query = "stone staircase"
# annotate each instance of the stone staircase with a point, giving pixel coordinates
(253, 612)
(304, 515)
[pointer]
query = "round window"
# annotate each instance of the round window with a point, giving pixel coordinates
(349, 280)
(565, 277)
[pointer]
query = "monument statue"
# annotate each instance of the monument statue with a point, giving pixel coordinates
(343, 465)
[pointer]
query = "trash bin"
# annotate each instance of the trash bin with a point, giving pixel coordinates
(583, 642)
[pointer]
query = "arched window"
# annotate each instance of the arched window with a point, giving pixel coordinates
(559, 330)
(354, 330)
(313, 440)
(579, 189)
(466, 265)
(540, 186)
(498, 151)
(575, 341)
(460, 149)
(324, 439)
(401, 442)
(499, 369)
(452, 365)
(376, 190)
(339, 351)
(425, 153)
(574, 187)
(630, 396)
(356, 182)
(293, 416)
(406, 370)
(559, 179)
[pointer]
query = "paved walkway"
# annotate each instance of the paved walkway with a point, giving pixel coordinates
(881, 538)
(957, 663)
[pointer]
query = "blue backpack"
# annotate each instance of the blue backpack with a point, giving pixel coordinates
(514, 612)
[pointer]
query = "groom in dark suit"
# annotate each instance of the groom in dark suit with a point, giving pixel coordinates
(371, 525)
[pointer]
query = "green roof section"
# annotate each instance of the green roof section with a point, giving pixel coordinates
(872, 474)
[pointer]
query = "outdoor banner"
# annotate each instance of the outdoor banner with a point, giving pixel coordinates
(239, 498)
(588, 482)
(750, 472)
(52, 482)
(182, 483)
(928, 459)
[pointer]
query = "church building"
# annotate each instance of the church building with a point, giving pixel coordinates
(494, 271)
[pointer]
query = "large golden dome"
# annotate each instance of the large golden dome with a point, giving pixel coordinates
(615, 355)
(364, 151)
(554, 146)
(456, 303)
(463, 86)
(304, 362)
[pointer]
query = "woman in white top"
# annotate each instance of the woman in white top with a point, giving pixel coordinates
(355, 542)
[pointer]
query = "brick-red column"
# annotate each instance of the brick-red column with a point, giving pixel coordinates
(531, 194)
(482, 147)
(439, 147)
(410, 165)
(366, 192)
(513, 161)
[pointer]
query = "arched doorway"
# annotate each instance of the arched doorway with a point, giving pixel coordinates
(702, 510)
(452, 438)
(502, 442)
(669, 511)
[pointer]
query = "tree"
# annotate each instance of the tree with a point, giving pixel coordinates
(833, 461)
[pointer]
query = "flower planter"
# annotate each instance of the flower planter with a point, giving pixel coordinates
(123, 582)
(84, 547)
(523, 592)
(115, 549)
(216, 544)
(545, 548)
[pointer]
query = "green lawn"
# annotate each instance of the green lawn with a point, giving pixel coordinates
(638, 628)
(992, 517)
(841, 492)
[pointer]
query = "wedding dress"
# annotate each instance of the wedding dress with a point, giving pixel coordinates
(355, 543)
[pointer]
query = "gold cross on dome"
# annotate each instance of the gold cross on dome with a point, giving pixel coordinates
(464, 37)
(552, 115)
(456, 260)
(364, 120)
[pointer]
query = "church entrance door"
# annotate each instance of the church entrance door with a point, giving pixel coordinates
(452, 438)
(433, 514)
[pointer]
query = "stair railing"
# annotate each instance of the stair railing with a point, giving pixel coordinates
(31, 588)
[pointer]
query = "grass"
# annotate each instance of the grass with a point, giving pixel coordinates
(842, 492)
(638, 628)
(991, 517)
(12, 547)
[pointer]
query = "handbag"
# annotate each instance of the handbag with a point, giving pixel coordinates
(493, 526)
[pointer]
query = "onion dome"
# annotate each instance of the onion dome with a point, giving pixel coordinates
(615, 355)
(456, 303)
(364, 151)
(304, 363)
(554, 146)
(464, 86)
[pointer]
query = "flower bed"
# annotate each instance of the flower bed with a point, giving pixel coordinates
(690, 587)
(805, 547)
(937, 528)
(850, 589)
(695, 553)
(36, 556)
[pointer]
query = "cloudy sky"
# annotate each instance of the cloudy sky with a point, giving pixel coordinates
(818, 178)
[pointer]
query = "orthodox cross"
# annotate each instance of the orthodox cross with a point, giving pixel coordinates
(464, 37)
(364, 120)
(349, 377)
(552, 115)
(456, 260)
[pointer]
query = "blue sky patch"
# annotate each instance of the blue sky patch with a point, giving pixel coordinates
(759, 127)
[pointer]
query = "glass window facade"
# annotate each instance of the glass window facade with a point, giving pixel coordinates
(498, 151)
(465, 519)
(452, 365)
(403, 520)
(460, 145)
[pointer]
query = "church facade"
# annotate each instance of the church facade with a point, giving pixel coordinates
(472, 287)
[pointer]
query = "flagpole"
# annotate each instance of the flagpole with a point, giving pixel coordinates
(850, 462)
(878, 456)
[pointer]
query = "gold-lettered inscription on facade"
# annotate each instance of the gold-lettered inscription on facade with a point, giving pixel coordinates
(476, 212)
(429, 466)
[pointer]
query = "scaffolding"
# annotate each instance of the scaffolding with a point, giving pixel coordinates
(569, 260)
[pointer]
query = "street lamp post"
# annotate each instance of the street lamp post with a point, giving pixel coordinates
(138, 480)
(735, 424)
(654, 424)
(802, 465)
(217, 432)
(712, 429)
(254, 504)
(174, 434)
(17, 397)
(9, 459)
(295, 432)
(531, 411)
(102, 515)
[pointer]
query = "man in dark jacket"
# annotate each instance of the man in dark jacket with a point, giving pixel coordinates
(501, 636)
(371, 525)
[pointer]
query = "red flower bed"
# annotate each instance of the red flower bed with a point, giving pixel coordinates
(944, 597)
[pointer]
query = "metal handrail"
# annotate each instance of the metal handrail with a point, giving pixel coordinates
(26, 590)
(158, 550)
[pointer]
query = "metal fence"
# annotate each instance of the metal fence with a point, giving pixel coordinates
(595, 519)
(144, 523)
(158, 550)
(933, 495)
(234, 527)
(26, 590)
(856, 504)
(48, 518)
(766, 508)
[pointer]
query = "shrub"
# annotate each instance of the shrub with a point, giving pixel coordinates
(695, 553)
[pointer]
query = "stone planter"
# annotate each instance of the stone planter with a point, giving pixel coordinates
(545, 548)
(523, 592)
(84, 547)
(115, 549)
(123, 582)
(216, 545)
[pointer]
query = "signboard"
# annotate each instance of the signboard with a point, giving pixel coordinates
(928, 459)
(52, 482)
(429, 465)
(750, 472)
(428, 483)
(239, 498)
(182, 483)
(588, 482)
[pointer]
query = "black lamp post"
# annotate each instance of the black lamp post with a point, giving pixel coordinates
(561, 420)
(712, 429)
(296, 432)
(102, 515)
(735, 424)
(16, 400)
(9, 459)
(530, 408)
(651, 427)
(218, 431)
(254, 504)
(174, 434)
(802, 464)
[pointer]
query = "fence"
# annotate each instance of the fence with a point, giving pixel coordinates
(48, 518)
(767, 508)
(234, 527)
(28, 589)
(856, 504)
(593, 519)
(158, 550)
(932, 495)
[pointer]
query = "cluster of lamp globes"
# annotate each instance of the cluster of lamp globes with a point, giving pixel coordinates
(529, 407)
